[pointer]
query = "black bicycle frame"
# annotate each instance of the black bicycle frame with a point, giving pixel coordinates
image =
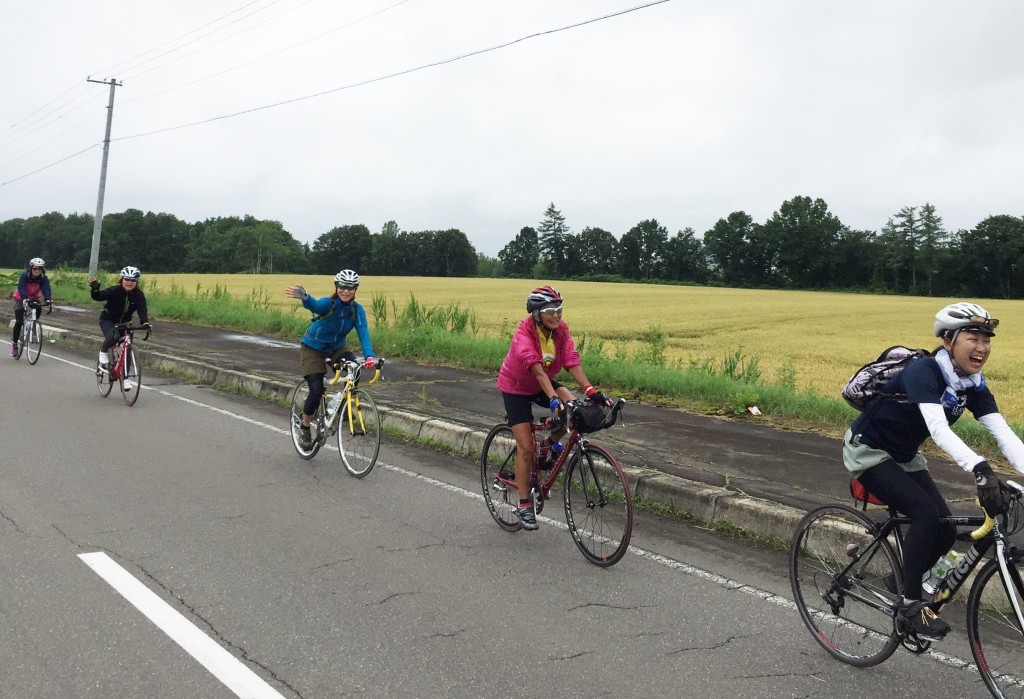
(965, 564)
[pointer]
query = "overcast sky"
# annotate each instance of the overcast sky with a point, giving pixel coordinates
(684, 111)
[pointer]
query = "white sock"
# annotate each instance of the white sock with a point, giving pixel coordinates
(103, 358)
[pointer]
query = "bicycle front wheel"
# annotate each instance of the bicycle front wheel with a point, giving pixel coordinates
(103, 381)
(598, 506)
(997, 640)
(359, 433)
(839, 581)
(295, 422)
(498, 477)
(130, 378)
(33, 340)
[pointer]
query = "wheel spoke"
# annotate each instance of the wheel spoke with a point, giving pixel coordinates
(360, 433)
(997, 640)
(839, 580)
(497, 477)
(295, 422)
(598, 505)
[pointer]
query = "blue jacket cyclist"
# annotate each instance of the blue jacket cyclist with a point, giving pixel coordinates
(336, 316)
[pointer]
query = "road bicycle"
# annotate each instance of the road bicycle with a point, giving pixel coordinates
(355, 419)
(847, 577)
(124, 367)
(598, 506)
(32, 332)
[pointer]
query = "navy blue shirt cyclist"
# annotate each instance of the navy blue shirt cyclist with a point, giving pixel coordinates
(336, 316)
(33, 285)
(881, 448)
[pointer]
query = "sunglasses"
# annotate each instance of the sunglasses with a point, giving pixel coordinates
(341, 287)
(37, 269)
(551, 310)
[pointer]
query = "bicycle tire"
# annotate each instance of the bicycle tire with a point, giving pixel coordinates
(850, 617)
(995, 636)
(359, 434)
(103, 382)
(34, 340)
(497, 477)
(295, 421)
(130, 371)
(598, 505)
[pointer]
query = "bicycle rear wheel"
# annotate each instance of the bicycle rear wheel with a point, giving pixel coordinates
(498, 477)
(848, 609)
(130, 379)
(359, 433)
(33, 340)
(295, 421)
(598, 506)
(997, 640)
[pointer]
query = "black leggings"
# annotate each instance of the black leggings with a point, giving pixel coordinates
(110, 334)
(316, 386)
(915, 495)
(19, 321)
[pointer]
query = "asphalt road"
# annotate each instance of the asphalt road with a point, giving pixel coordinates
(289, 578)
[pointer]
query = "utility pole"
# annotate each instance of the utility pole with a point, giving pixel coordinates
(94, 254)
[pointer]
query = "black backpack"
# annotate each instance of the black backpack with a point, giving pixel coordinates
(867, 382)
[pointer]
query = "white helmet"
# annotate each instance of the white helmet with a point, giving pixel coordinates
(346, 277)
(130, 272)
(36, 262)
(963, 316)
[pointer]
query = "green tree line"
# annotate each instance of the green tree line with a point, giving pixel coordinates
(801, 246)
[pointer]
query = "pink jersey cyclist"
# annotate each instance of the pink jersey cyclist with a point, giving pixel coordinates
(541, 347)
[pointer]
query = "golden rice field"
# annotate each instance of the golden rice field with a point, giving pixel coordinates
(823, 336)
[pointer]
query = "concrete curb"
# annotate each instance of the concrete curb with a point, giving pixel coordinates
(713, 505)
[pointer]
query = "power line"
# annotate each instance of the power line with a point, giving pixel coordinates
(46, 167)
(100, 72)
(117, 66)
(76, 85)
(358, 84)
(269, 55)
(198, 38)
(30, 128)
(396, 74)
(41, 145)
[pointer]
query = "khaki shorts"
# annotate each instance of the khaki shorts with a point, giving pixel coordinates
(312, 361)
(858, 457)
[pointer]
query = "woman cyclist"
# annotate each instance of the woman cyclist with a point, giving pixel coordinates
(541, 347)
(336, 315)
(881, 447)
(33, 285)
(123, 300)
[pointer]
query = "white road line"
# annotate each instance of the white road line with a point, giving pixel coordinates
(235, 675)
(658, 558)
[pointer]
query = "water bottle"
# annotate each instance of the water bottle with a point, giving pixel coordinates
(332, 407)
(937, 574)
(550, 456)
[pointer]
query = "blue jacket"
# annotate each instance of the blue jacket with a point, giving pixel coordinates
(32, 288)
(329, 332)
